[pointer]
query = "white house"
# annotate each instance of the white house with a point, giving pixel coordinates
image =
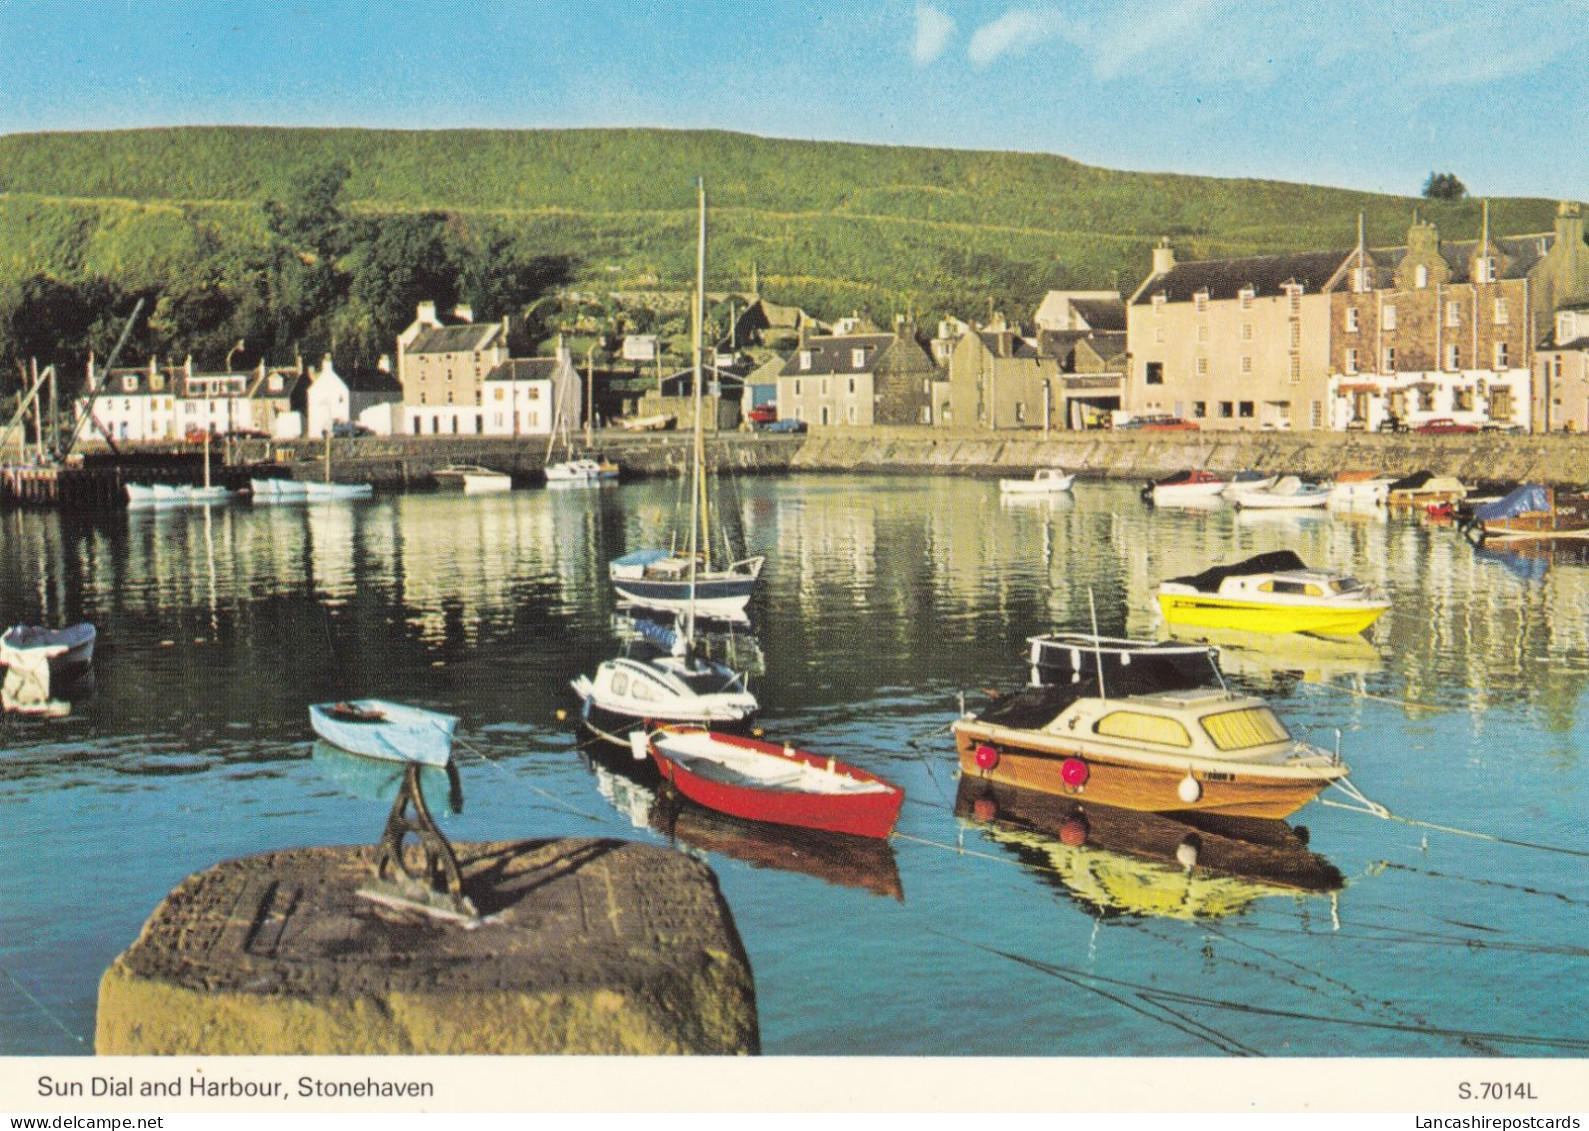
(334, 398)
(522, 396)
(151, 404)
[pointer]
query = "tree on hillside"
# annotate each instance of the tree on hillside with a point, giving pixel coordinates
(1444, 186)
(398, 262)
(59, 323)
(311, 217)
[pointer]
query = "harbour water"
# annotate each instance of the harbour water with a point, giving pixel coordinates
(982, 932)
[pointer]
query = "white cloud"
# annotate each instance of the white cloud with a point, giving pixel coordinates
(933, 29)
(1014, 33)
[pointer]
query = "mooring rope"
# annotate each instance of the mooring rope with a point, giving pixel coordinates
(41, 1007)
(1374, 809)
(478, 753)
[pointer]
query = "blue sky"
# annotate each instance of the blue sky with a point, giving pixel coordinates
(1365, 95)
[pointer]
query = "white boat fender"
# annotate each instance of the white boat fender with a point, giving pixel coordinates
(831, 764)
(1186, 853)
(1189, 790)
(638, 744)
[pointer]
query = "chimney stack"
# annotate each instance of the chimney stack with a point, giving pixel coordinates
(1163, 257)
(425, 313)
(1569, 224)
(463, 312)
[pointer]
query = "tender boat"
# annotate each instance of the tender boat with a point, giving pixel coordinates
(1044, 480)
(486, 482)
(1195, 486)
(1162, 735)
(450, 478)
(1288, 493)
(1530, 513)
(1274, 592)
(278, 490)
(376, 728)
(582, 471)
(1360, 489)
(763, 781)
(1248, 480)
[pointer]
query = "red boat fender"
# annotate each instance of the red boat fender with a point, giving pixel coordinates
(1073, 833)
(987, 757)
(983, 809)
(1075, 772)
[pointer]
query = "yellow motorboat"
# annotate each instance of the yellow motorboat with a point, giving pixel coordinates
(1274, 592)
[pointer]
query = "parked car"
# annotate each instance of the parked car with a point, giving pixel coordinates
(349, 428)
(197, 435)
(1443, 425)
(788, 424)
(762, 415)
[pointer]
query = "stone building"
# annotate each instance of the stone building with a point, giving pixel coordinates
(1000, 380)
(525, 396)
(1232, 343)
(442, 368)
(858, 380)
(1561, 374)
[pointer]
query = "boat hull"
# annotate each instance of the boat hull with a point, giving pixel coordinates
(336, 492)
(486, 484)
(1047, 764)
(1209, 611)
(1196, 494)
(405, 734)
(616, 724)
(870, 814)
(1266, 500)
(720, 596)
(77, 639)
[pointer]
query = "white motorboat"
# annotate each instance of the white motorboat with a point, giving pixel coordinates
(1044, 480)
(278, 490)
(1195, 487)
(1360, 489)
(581, 470)
(1290, 493)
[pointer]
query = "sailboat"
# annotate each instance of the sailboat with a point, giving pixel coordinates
(572, 470)
(181, 494)
(665, 678)
(327, 491)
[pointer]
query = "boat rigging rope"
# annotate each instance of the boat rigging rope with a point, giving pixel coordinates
(1356, 694)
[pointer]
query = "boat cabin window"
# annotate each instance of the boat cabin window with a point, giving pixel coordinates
(643, 690)
(1292, 588)
(1239, 730)
(1346, 585)
(1143, 728)
(620, 683)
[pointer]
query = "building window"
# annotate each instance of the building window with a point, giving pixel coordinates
(1453, 313)
(825, 386)
(1316, 417)
(1484, 269)
(849, 414)
(1244, 409)
(129, 384)
(858, 359)
(1453, 356)
(1351, 359)
(1158, 335)
(1154, 374)
(797, 387)
(1351, 320)
(1296, 369)
(1461, 399)
(1202, 333)
(852, 386)
(1246, 331)
(1246, 298)
(1199, 410)
(805, 362)
(1500, 355)
(1200, 302)
(1226, 410)
(1387, 317)
(1246, 364)
(1158, 303)
(1020, 412)
(1296, 335)
(1390, 360)
(1502, 315)
(1420, 276)
(1202, 367)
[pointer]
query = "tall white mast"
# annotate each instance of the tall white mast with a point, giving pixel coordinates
(698, 485)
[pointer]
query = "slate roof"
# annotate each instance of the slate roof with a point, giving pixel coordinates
(1267, 275)
(831, 356)
(371, 381)
(1005, 343)
(1101, 314)
(1517, 255)
(465, 338)
(523, 369)
(1061, 344)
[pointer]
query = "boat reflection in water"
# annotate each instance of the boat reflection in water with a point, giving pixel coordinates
(1531, 561)
(1121, 862)
(636, 790)
(1291, 655)
(379, 779)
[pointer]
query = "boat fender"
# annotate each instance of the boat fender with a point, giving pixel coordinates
(831, 764)
(984, 809)
(1075, 772)
(1186, 852)
(1189, 790)
(1073, 831)
(637, 745)
(987, 757)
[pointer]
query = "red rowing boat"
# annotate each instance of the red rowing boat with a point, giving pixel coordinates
(763, 781)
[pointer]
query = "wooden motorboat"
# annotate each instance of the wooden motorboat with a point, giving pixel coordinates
(1145, 741)
(1044, 480)
(1360, 488)
(765, 781)
(1287, 493)
(376, 728)
(1530, 513)
(1195, 486)
(1423, 488)
(1274, 592)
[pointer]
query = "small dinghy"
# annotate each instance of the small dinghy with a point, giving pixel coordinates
(1044, 481)
(379, 729)
(763, 781)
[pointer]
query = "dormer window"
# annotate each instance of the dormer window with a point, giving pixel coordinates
(805, 359)
(1246, 296)
(1484, 269)
(129, 384)
(858, 359)
(1566, 327)
(1362, 279)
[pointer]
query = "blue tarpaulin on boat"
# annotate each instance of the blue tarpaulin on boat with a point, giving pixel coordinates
(1526, 499)
(642, 558)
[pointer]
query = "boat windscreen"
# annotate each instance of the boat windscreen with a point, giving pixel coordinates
(1034, 707)
(1277, 561)
(1412, 482)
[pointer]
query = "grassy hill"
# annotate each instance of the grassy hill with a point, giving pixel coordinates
(829, 225)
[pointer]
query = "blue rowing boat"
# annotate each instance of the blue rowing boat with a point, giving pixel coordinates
(380, 729)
